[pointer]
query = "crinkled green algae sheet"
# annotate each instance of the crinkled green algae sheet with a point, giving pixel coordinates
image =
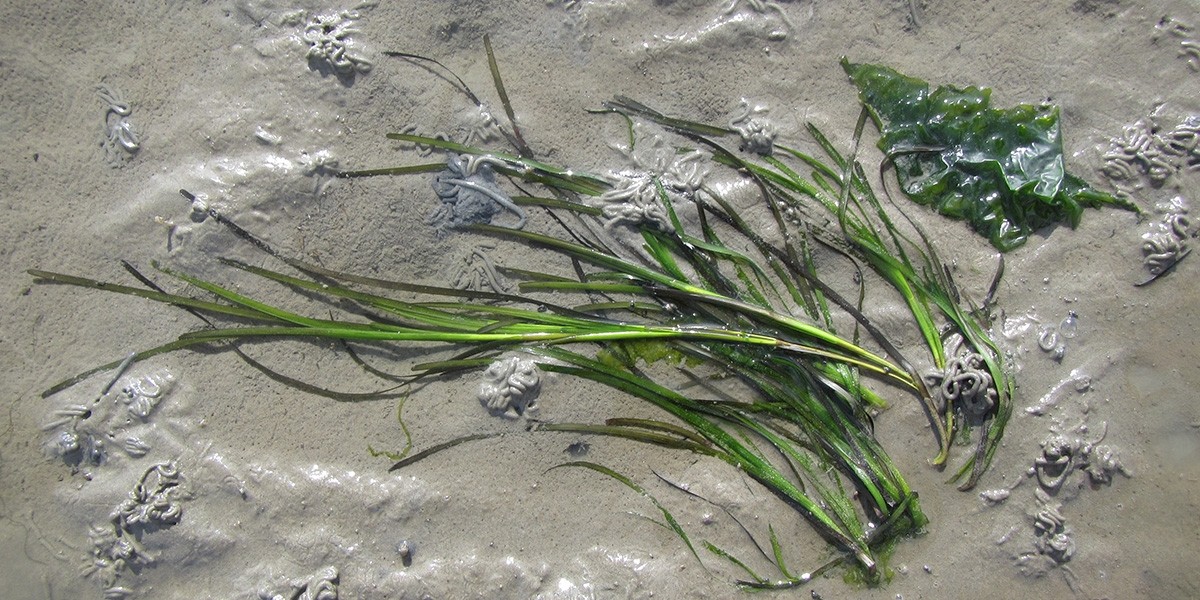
(999, 169)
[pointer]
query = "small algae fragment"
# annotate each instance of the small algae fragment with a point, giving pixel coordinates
(1001, 170)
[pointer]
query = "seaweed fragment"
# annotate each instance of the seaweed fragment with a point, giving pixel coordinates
(707, 290)
(1000, 169)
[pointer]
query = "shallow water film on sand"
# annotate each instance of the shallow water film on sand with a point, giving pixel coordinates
(323, 148)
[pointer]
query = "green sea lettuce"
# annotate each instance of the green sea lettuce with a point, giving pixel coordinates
(1001, 170)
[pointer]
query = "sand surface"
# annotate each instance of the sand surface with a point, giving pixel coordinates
(277, 488)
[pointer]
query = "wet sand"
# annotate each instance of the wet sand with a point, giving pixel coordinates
(277, 486)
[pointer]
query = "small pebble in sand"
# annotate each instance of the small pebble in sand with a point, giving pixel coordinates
(579, 448)
(1069, 327)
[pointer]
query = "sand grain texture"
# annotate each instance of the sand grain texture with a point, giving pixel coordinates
(278, 485)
